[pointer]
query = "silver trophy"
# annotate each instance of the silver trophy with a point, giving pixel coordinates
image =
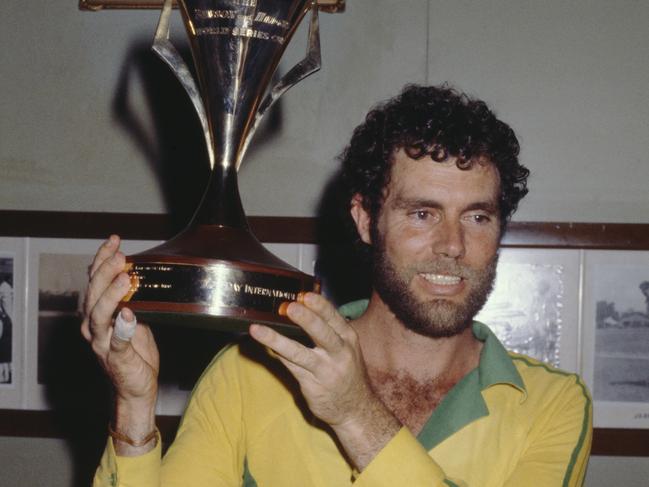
(215, 273)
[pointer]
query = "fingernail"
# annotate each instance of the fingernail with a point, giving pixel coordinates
(300, 297)
(283, 309)
(124, 330)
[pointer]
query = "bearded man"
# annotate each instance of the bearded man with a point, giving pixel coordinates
(404, 389)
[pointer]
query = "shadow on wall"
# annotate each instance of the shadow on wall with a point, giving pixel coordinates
(172, 140)
(344, 273)
(76, 389)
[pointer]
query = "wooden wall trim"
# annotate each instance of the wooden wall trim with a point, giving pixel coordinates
(141, 226)
(44, 424)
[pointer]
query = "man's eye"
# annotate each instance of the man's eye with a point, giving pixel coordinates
(421, 214)
(480, 218)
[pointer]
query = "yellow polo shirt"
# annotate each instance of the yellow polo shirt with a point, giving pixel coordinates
(511, 422)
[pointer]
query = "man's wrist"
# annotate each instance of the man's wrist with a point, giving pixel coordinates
(364, 437)
(133, 427)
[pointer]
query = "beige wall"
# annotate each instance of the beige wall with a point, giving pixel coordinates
(571, 77)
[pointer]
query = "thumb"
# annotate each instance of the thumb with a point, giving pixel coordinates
(124, 329)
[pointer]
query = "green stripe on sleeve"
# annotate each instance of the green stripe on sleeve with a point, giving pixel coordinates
(582, 436)
(585, 422)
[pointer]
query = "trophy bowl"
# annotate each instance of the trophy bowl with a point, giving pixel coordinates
(215, 273)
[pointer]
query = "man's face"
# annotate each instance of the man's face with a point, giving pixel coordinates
(435, 243)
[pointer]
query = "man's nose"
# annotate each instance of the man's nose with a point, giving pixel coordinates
(449, 241)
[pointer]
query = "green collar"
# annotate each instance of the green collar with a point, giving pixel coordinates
(464, 402)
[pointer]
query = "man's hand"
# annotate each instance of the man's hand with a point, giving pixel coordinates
(129, 355)
(333, 377)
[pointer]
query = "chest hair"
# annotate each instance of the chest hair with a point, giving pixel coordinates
(411, 401)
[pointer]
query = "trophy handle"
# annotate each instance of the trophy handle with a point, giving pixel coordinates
(309, 65)
(166, 51)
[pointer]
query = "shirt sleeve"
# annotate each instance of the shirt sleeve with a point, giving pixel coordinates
(558, 449)
(403, 461)
(208, 450)
(140, 471)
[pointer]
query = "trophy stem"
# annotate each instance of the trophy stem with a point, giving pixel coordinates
(221, 202)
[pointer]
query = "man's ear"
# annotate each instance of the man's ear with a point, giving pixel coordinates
(361, 218)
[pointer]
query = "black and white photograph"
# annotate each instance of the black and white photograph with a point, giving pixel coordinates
(622, 336)
(617, 336)
(6, 318)
(61, 369)
(533, 308)
(12, 298)
(62, 280)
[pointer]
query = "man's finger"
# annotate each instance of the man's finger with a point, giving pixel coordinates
(102, 312)
(102, 278)
(320, 331)
(327, 311)
(291, 350)
(125, 325)
(106, 250)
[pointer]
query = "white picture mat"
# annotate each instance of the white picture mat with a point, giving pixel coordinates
(11, 394)
(35, 396)
(614, 276)
(533, 287)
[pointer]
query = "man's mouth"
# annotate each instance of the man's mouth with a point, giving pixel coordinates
(441, 279)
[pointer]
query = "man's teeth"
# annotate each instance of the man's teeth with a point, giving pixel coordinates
(441, 279)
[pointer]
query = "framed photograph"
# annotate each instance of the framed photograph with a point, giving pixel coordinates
(61, 370)
(616, 336)
(12, 321)
(534, 307)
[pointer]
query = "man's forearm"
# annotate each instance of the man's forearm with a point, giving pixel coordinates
(136, 421)
(363, 438)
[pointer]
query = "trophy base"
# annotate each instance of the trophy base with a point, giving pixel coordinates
(170, 287)
(221, 323)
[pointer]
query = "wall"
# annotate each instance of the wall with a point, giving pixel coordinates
(92, 122)
(79, 91)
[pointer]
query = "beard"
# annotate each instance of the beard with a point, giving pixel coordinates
(435, 318)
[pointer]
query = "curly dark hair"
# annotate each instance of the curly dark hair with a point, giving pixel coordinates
(434, 121)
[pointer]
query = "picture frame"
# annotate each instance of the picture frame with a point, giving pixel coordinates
(616, 337)
(60, 368)
(534, 306)
(13, 287)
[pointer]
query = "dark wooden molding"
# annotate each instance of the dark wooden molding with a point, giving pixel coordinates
(621, 442)
(604, 236)
(44, 424)
(138, 226)
(142, 226)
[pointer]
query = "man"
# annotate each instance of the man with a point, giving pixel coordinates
(411, 391)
